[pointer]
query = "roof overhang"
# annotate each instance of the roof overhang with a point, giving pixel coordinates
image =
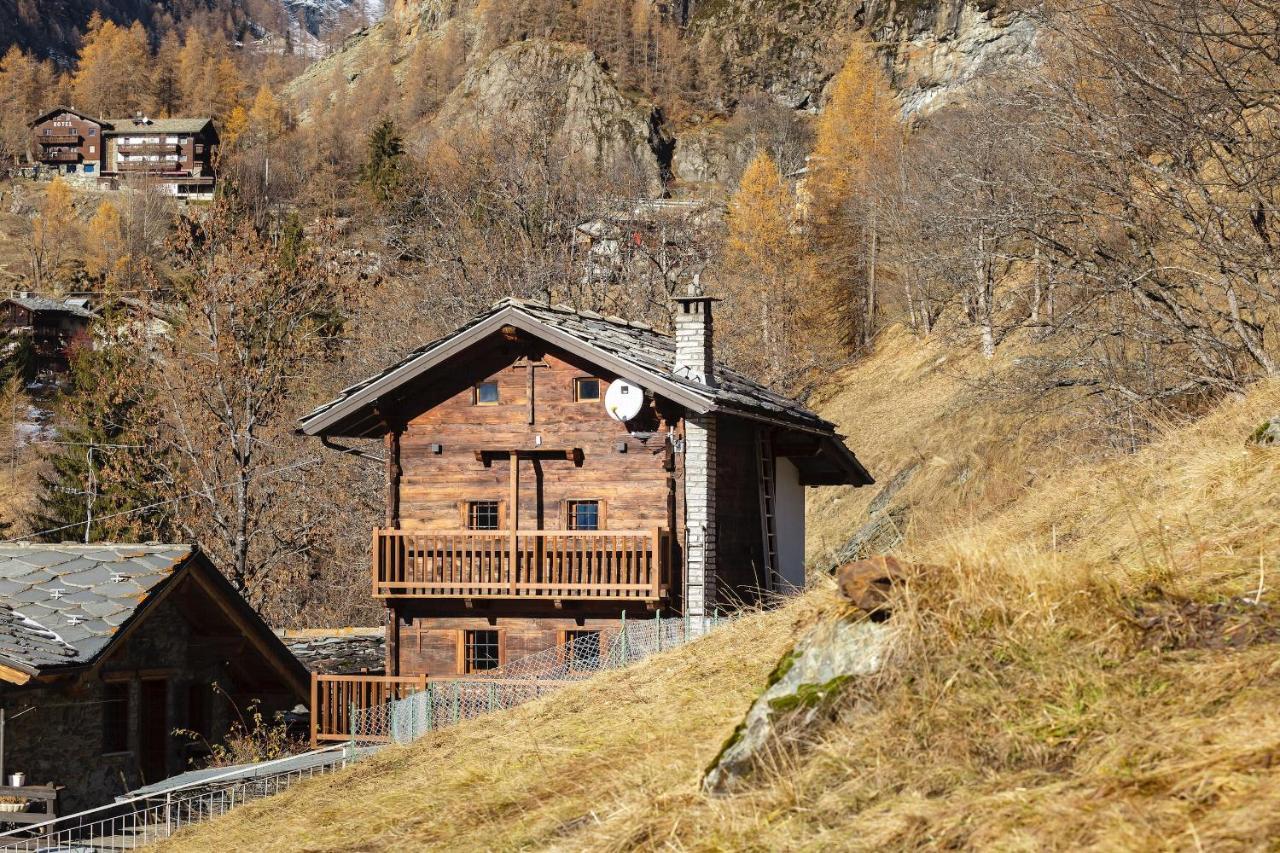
(341, 418)
(196, 568)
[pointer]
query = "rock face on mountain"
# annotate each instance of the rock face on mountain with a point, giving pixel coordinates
(566, 89)
(937, 54)
(792, 50)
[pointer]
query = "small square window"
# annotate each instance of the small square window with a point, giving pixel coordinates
(486, 394)
(582, 646)
(482, 650)
(482, 515)
(586, 389)
(584, 515)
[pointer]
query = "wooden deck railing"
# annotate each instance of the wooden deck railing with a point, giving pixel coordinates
(334, 696)
(574, 564)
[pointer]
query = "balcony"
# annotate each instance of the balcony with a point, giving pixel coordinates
(162, 167)
(148, 148)
(621, 565)
(59, 139)
(60, 156)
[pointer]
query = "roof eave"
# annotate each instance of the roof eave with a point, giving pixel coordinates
(507, 315)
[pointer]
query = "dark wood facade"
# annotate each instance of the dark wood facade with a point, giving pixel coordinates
(54, 328)
(458, 452)
(67, 141)
(519, 512)
(177, 154)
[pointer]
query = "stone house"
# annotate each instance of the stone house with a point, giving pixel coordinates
(107, 650)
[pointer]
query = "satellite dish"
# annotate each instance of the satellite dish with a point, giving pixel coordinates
(623, 400)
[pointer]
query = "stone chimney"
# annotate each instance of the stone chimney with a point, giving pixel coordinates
(695, 361)
(695, 349)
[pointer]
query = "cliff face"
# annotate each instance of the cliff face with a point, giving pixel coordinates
(566, 89)
(933, 49)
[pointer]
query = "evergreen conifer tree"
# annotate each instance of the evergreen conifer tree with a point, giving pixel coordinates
(102, 463)
(381, 172)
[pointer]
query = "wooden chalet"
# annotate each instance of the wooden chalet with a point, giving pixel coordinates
(106, 650)
(53, 327)
(520, 514)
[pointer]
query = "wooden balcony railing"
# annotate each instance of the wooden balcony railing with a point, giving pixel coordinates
(148, 147)
(59, 139)
(60, 156)
(548, 564)
(334, 697)
(154, 167)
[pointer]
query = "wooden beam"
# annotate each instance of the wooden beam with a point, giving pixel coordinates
(393, 477)
(13, 675)
(250, 630)
(514, 516)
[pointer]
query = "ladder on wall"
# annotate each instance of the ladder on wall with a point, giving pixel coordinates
(766, 470)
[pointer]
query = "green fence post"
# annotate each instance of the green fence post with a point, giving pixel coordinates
(457, 703)
(658, 619)
(351, 720)
(492, 696)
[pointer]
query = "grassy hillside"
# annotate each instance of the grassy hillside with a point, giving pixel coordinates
(1079, 667)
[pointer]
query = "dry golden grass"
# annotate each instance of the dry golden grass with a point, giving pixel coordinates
(1024, 708)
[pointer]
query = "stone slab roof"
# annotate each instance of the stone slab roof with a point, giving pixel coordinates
(62, 604)
(43, 303)
(124, 126)
(342, 653)
(638, 345)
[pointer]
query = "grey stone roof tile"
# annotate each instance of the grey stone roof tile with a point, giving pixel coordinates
(634, 343)
(39, 629)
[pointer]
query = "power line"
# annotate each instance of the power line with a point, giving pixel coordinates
(157, 504)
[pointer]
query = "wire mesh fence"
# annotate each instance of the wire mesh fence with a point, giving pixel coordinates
(146, 819)
(444, 702)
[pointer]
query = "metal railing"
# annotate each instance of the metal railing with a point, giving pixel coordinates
(567, 564)
(148, 818)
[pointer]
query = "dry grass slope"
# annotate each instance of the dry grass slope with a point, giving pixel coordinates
(1076, 670)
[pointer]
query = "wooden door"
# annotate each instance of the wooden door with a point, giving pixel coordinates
(153, 741)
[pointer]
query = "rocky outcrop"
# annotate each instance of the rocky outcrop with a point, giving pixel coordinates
(565, 88)
(939, 53)
(1267, 434)
(934, 51)
(801, 688)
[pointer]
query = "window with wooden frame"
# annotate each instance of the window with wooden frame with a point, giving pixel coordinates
(482, 515)
(587, 389)
(481, 650)
(115, 717)
(485, 393)
(584, 515)
(581, 645)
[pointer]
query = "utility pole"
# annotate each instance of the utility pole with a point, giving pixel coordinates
(90, 494)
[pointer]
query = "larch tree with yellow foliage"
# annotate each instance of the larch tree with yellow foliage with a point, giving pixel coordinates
(266, 117)
(106, 77)
(859, 137)
(104, 244)
(764, 269)
(55, 234)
